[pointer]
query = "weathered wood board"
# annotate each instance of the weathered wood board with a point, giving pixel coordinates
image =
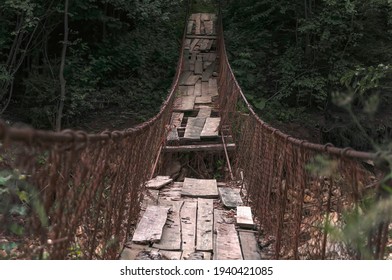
(208, 26)
(205, 16)
(204, 112)
(150, 198)
(193, 128)
(194, 44)
(205, 188)
(192, 79)
(205, 218)
(198, 24)
(191, 90)
(175, 122)
(210, 129)
(171, 255)
(171, 235)
(186, 60)
(211, 57)
(188, 226)
(203, 99)
(187, 45)
(184, 103)
(244, 217)
(172, 192)
(230, 198)
(227, 245)
(151, 224)
(249, 246)
(158, 182)
(212, 87)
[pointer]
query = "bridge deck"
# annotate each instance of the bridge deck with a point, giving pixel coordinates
(202, 220)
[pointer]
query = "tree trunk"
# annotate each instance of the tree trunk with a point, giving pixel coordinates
(62, 65)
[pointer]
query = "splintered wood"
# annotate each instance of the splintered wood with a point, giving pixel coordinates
(150, 226)
(205, 220)
(158, 182)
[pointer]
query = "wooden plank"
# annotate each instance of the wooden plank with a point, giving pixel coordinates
(208, 26)
(151, 224)
(175, 122)
(213, 37)
(205, 17)
(212, 87)
(184, 77)
(191, 90)
(172, 192)
(171, 235)
(206, 188)
(204, 88)
(244, 217)
(227, 245)
(158, 182)
(203, 100)
(184, 103)
(150, 198)
(204, 44)
(205, 218)
(230, 198)
(204, 112)
(190, 26)
(187, 44)
(171, 255)
(192, 79)
(193, 128)
(249, 246)
(217, 148)
(198, 24)
(208, 72)
(194, 43)
(210, 129)
(183, 90)
(197, 91)
(188, 228)
(199, 65)
(209, 45)
(211, 57)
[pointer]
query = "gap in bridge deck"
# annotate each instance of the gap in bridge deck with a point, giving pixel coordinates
(193, 170)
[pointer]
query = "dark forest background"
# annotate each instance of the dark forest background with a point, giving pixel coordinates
(314, 68)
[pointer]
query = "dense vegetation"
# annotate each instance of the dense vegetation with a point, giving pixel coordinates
(120, 59)
(292, 57)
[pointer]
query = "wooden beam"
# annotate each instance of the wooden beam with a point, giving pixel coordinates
(199, 148)
(188, 228)
(244, 217)
(201, 37)
(249, 246)
(210, 129)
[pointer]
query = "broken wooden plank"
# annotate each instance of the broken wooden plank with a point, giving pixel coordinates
(212, 87)
(206, 76)
(227, 245)
(199, 65)
(193, 44)
(193, 128)
(172, 192)
(158, 182)
(244, 217)
(249, 246)
(171, 235)
(230, 198)
(184, 103)
(205, 209)
(151, 224)
(150, 198)
(197, 91)
(210, 129)
(188, 227)
(205, 188)
(217, 148)
(204, 112)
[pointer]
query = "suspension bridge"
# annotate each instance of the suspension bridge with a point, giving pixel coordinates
(111, 195)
